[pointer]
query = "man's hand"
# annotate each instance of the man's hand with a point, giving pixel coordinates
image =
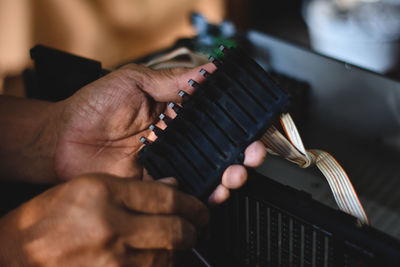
(101, 220)
(100, 126)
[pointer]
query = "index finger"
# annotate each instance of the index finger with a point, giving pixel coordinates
(157, 198)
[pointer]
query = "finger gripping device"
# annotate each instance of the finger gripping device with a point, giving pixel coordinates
(233, 107)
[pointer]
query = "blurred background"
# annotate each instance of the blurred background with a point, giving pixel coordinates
(361, 32)
(352, 113)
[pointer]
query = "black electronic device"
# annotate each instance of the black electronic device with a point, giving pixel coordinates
(59, 74)
(233, 107)
(268, 224)
(341, 96)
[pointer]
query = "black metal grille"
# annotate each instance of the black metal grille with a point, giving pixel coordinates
(275, 238)
(268, 224)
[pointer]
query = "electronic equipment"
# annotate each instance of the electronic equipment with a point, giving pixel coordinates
(268, 224)
(350, 110)
(233, 107)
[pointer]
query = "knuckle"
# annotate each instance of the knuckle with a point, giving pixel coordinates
(136, 73)
(126, 70)
(129, 67)
(125, 73)
(87, 189)
(102, 231)
(93, 185)
(109, 259)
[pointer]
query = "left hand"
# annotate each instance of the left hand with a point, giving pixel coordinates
(99, 127)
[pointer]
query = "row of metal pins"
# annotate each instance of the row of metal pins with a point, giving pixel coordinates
(157, 131)
(184, 95)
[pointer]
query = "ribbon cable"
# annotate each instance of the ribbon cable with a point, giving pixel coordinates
(293, 150)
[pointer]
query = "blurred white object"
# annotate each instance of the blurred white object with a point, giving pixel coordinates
(346, 4)
(365, 34)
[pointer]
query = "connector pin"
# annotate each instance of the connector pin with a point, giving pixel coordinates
(204, 72)
(157, 131)
(144, 140)
(175, 107)
(165, 118)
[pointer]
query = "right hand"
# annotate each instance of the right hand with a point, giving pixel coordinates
(101, 220)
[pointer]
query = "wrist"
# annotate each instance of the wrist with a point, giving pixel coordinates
(29, 139)
(43, 145)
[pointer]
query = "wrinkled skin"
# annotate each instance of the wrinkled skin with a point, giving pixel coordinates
(101, 220)
(107, 211)
(100, 126)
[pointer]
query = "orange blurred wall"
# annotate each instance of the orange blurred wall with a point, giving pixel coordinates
(111, 31)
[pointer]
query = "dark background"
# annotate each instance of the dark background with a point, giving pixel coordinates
(279, 18)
